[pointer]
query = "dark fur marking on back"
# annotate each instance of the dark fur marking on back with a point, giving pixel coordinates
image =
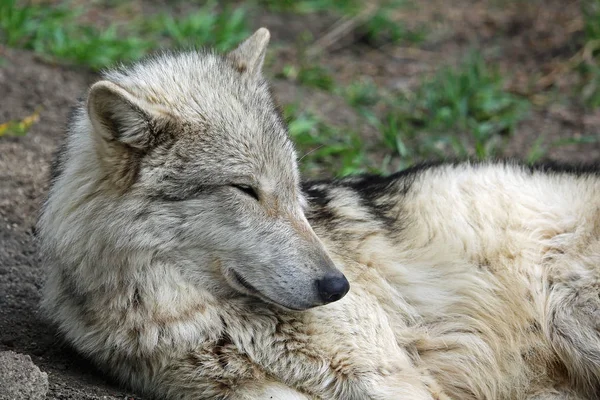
(370, 189)
(557, 167)
(319, 205)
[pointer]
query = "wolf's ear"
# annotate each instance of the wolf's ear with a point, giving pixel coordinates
(250, 54)
(117, 115)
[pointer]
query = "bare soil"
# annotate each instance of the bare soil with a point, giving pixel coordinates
(530, 40)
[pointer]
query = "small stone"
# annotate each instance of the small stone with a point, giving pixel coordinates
(20, 378)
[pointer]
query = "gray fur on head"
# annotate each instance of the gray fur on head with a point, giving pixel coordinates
(171, 143)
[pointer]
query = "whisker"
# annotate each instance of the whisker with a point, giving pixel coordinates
(310, 152)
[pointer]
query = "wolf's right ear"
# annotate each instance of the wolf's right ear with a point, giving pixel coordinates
(117, 115)
(249, 56)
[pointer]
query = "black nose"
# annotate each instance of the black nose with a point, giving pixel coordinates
(332, 287)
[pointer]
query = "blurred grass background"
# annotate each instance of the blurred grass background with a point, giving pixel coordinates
(377, 85)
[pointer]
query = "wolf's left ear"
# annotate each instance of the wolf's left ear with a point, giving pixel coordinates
(249, 56)
(118, 115)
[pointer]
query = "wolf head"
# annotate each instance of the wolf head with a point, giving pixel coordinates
(184, 158)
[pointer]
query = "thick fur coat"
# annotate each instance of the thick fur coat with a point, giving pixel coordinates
(186, 259)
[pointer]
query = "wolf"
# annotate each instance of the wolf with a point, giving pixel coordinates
(186, 258)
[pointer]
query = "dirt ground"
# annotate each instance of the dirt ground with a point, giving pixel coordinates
(534, 39)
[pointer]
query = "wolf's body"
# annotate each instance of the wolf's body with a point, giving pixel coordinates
(181, 257)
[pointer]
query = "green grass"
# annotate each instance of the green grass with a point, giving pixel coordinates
(382, 28)
(309, 75)
(539, 150)
(379, 28)
(16, 23)
(455, 110)
(312, 6)
(361, 94)
(591, 70)
(307, 70)
(20, 127)
(208, 26)
(459, 112)
(324, 149)
(55, 31)
(591, 13)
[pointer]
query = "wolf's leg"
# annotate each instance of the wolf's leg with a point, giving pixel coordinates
(198, 377)
(278, 391)
(189, 381)
(253, 368)
(331, 366)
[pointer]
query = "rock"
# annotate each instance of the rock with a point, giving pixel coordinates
(20, 378)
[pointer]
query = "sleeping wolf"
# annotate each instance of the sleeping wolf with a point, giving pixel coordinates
(187, 260)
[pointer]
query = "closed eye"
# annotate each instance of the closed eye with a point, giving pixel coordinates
(248, 190)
